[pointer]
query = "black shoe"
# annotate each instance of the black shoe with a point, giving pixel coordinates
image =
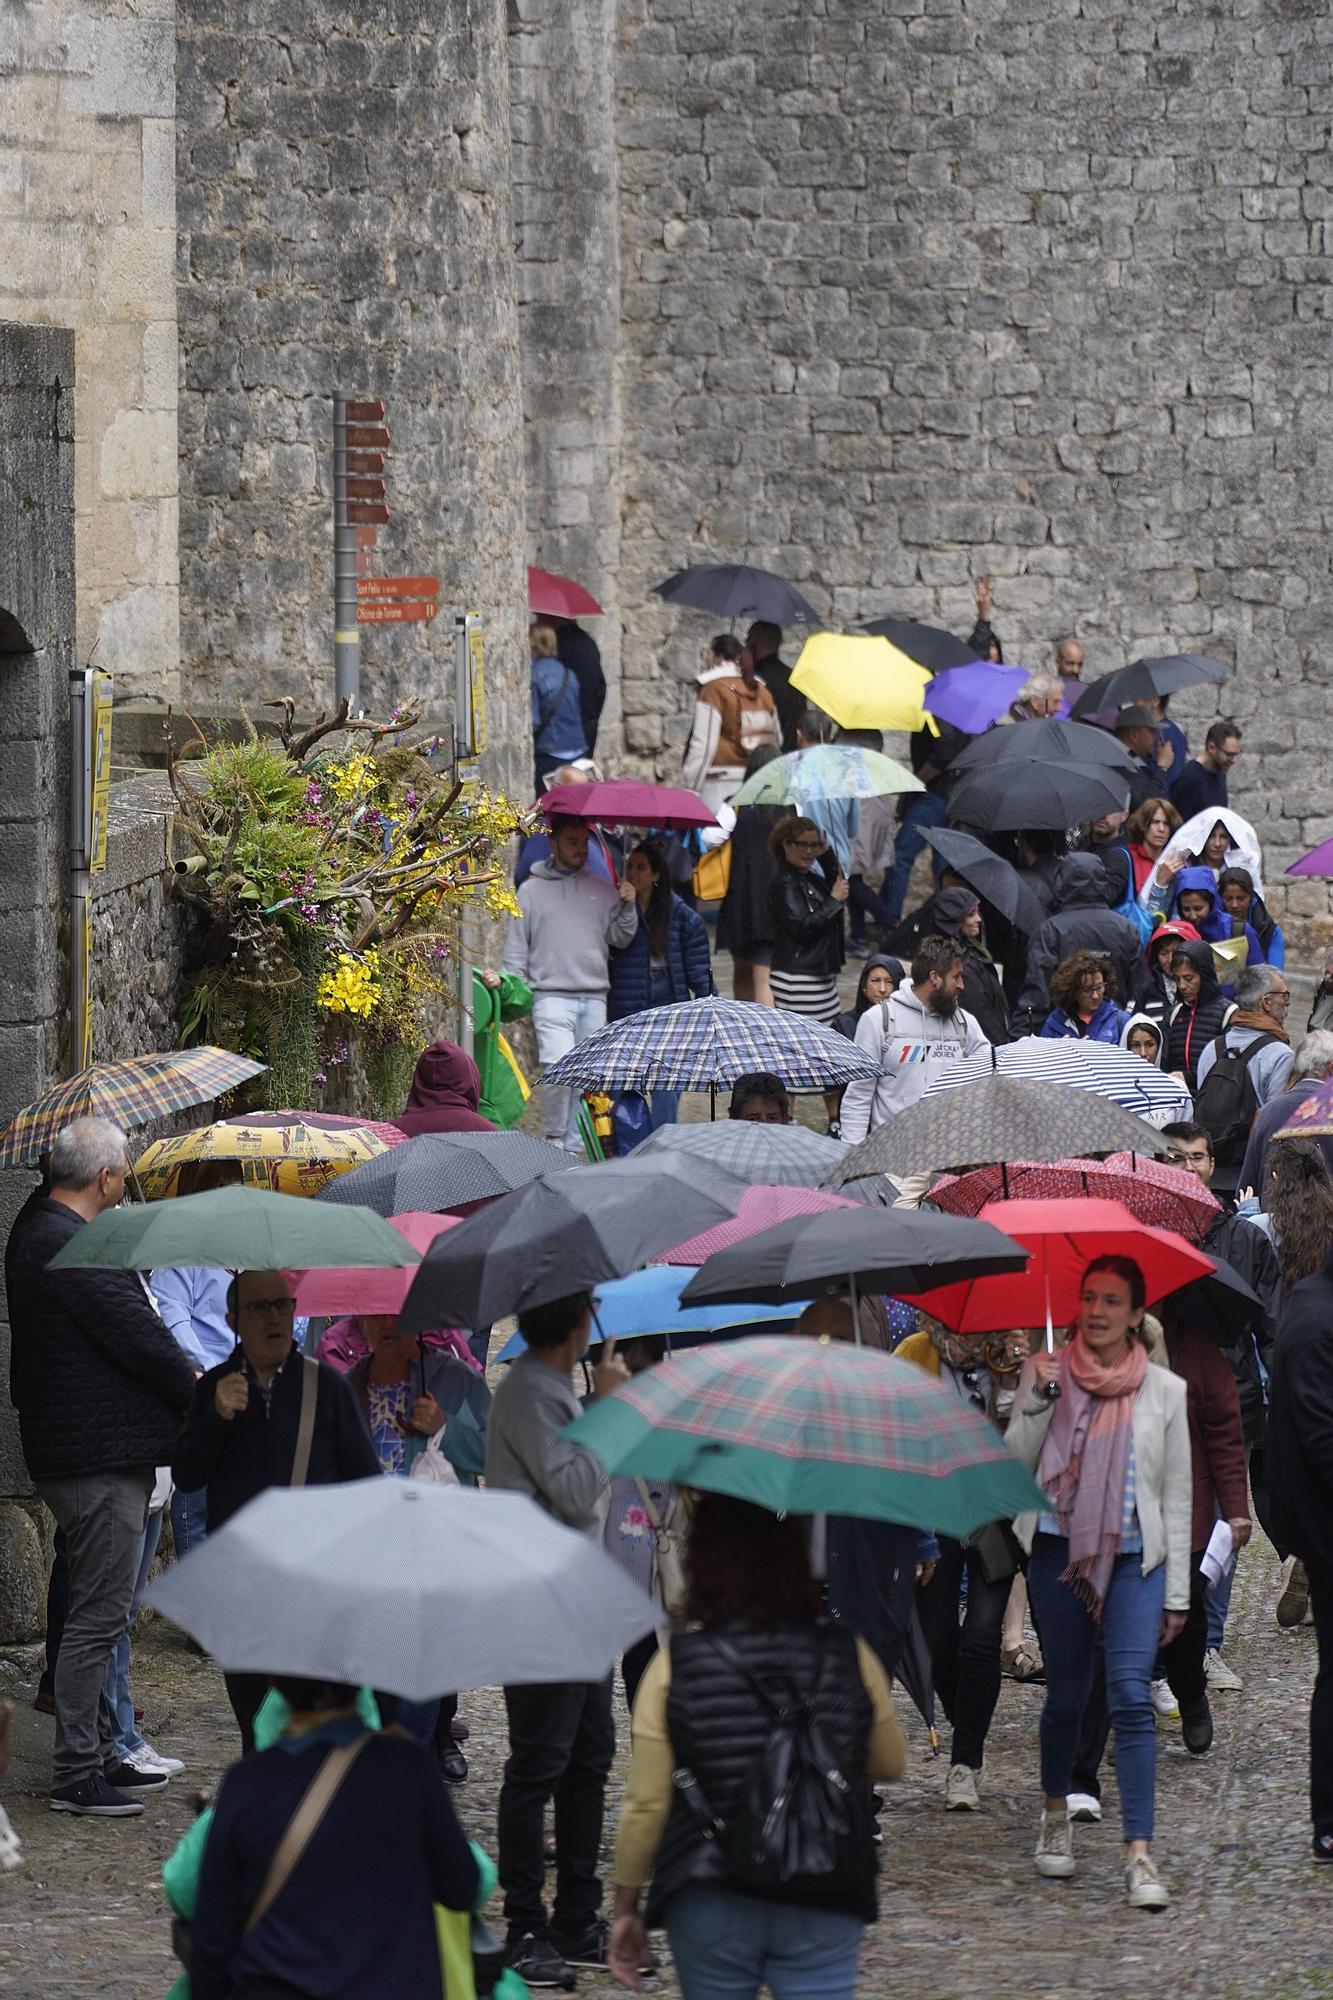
(591, 1948)
(459, 1730)
(1322, 1847)
(537, 1962)
(127, 1778)
(95, 1799)
(1196, 1727)
(453, 1765)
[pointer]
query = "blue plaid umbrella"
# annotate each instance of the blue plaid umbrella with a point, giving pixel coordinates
(706, 1045)
(1112, 1073)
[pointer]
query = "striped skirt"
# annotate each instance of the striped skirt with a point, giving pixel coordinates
(814, 995)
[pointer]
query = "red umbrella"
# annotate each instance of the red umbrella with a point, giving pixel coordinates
(1163, 1197)
(347, 1289)
(560, 596)
(627, 802)
(760, 1208)
(1063, 1237)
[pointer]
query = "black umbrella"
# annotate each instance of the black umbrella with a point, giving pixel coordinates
(879, 1250)
(1044, 742)
(440, 1170)
(914, 1670)
(990, 875)
(1221, 1304)
(996, 1118)
(928, 645)
(565, 1233)
(1144, 680)
(735, 590)
(1011, 797)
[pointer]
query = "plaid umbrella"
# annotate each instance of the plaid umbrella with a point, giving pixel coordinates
(129, 1093)
(440, 1170)
(1115, 1073)
(1162, 1196)
(760, 1208)
(811, 1427)
(706, 1045)
(998, 1118)
(288, 1159)
(777, 1155)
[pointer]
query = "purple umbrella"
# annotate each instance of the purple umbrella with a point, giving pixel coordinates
(971, 698)
(1319, 861)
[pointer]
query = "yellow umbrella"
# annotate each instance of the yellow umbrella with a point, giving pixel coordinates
(862, 683)
(286, 1159)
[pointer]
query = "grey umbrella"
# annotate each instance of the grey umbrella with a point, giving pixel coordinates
(1045, 742)
(737, 590)
(996, 1118)
(770, 1155)
(439, 1170)
(1144, 680)
(994, 880)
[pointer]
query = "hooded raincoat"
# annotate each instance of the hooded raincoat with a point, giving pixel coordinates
(444, 1095)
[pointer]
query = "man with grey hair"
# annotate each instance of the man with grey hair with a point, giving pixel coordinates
(1259, 1057)
(1310, 1070)
(100, 1387)
(1041, 697)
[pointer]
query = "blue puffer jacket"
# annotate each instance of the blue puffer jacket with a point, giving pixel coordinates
(688, 966)
(1105, 1025)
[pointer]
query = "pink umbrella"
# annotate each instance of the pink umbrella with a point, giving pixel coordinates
(326, 1121)
(321, 1294)
(1164, 1197)
(760, 1208)
(627, 802)
(1319, 861)
(560, 596)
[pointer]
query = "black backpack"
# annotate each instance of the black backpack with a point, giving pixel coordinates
(1226, 1102)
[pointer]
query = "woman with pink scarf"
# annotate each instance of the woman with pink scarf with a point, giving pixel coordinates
(1107, 1436)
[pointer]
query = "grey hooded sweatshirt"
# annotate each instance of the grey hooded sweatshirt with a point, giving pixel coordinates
(568, 923)
(909, 1042)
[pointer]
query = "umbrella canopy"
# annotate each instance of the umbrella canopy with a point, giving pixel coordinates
(1144, 680)
(760, 1208)
(863, 683)
(648, 1302)
(929, 645)
(897, 1250)
(1063, 1238)
(777, 1155)
(560, 596)
(826, 771)
(1221, 1302)
(1164, 1197)
(1319, 861)
(811, 1427)
(235, 1229)
(994, 880)
(1111, 1072)
(706, 1045)
(627, 802)
(1046, 796)
(567, 1233)
(323, 1121)
(367, 1289)
(999, 1118)
(1045, 742)
(293, 1158)
(975, 696)
(736, 590)
(1312, 1117)
(442, 1170)
(129, 1093)
(405, 1586)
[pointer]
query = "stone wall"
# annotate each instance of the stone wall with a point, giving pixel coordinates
(87, 240)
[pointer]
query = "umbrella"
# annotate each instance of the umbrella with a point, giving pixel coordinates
(811, 1427)
(1164, 1197)
(560, 596)
(129, 1093)
(1221, 1302)
(994, 880)
(999, 1118)
(786, 1155)
(1048, 796)
(561, 1234)
(293, 1158)
(706, 1045)
(826, 771)
(1045, 742)
(863, 683)
(648, 1302)
(929, 645)
(1144, 680)
(627, 802)
(914, 1670)
(760, 1208)
(897, 1250)
(973, 697)
(369, 1289)
(236, 1229)
(736, 590)
(1063, 1238)
(404, 1586)
(1319, 861)
(1111, 1072)
(441, 1170)
(323, 1121)
(1312, 1117)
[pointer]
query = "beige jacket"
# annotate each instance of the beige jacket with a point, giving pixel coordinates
(1164, 1482)
(730, 720)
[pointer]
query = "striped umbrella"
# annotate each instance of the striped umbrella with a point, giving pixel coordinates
(1164, 1197)
(129, 1093)
(811, 1427)
(760, 1208)
(1110, 1072)
(706, 1045)
(777, 1155)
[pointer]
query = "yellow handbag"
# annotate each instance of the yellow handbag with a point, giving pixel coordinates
(712, 873)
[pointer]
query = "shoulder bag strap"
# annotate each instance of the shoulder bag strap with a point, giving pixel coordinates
(304, 1824)
(655, 1519)
(305, 1429)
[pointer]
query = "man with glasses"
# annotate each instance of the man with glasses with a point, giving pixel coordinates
(267, 1416)
(1256, 1034)
(1203, 782)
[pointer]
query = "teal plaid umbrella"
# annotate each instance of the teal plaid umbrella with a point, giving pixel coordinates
(812, 1427)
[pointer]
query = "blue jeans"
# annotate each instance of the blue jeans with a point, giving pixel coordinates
(1131, 1621)
(1216, 1604)
(120, 1701)
(726, 1946)
(562, 1021)
(923, 810)
(189, 1520)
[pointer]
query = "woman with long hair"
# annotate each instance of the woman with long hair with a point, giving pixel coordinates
(1147, 831)
(744, 922)
(807, 921)
(665, 961)
(1299, 1215)
(1199, 1014)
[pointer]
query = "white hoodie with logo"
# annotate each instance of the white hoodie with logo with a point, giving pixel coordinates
(909, 1042)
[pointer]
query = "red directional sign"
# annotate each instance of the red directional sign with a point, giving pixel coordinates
(376, 439)
(365, 538)
(368, 463)
(365, 489)
(417, 612)
(367, 513)
(398, 586)
(364, 413)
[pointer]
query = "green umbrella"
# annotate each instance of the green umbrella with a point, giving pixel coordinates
(812, 1427)
(235, 1229)
(826, 771)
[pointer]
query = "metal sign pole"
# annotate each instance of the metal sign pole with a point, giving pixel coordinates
(346, 637)
(80, 884)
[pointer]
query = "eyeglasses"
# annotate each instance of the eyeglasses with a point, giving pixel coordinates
(806, 846)
(269, 1308)
(1284, 996)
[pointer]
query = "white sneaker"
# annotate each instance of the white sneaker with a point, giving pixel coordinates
(1221, 1680)
(1144, 1888)
(1164, 1702)
(1055, 1846)
(1083, 1807)
(149, 1759)
(960, 1789)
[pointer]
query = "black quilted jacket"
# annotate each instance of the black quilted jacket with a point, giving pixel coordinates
(97, 1379)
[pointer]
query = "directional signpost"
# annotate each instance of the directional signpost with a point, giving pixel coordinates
(360, 506)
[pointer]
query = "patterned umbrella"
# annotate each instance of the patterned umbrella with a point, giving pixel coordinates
(706, 1045)
(998, 1118)
(1312, 1118)
(1115, 1073)
(129, 1093)
(1162, 1196)
(811, 1427)
(286, 1159)
(760, 1208)
(323, 1121)
(777, 1155)
(440, 1170)
(828, 771)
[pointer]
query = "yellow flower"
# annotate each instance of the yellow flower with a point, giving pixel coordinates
(352, 987)
(348, 780)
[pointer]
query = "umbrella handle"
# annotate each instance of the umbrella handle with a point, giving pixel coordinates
(1052, 1389)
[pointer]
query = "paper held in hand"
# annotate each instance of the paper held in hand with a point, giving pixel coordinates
(1220, 1556)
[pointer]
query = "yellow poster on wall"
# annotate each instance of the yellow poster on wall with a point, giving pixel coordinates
(476, 659)
(100, 789)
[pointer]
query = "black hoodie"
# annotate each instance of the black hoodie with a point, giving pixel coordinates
(1082, 920)
(846, 1023)
(1192, 1028)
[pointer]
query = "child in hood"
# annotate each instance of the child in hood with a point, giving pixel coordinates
(1198, 902)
